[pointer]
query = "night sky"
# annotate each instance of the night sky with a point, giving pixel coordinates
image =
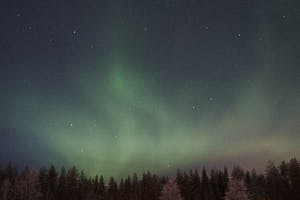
(116, 87)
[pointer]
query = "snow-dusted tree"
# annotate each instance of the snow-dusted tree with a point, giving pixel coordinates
(236, 190)
(170, 191)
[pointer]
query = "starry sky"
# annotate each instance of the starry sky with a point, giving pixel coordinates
(116, 87)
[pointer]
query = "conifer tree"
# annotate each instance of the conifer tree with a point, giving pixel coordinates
(294, 177)
(273, 182)
(127, 189)
(194, 185)
(112, 191)
(204, 186)
(52, 182)
(215, 190)
(62, 182)
(72, 183)
(135, 187)
(43, 182)
(101, 189)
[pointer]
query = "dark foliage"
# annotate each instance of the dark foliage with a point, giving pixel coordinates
(277, 183)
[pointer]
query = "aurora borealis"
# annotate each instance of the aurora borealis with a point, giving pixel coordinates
(118, 87)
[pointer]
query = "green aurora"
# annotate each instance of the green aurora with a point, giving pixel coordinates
(136, 107)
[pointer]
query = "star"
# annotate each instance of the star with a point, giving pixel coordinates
(75, 34)
(210, 99)
(145, 27)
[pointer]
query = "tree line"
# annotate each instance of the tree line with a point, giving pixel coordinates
(280, 182)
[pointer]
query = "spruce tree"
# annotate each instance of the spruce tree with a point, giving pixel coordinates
(62, 182)
(52, 181)
(294, 177)
(72, 183)
(101, 189)
(112, 191)
(194, 185)
(204, 186)
(135, 187)
(43, 181)
(273, 188)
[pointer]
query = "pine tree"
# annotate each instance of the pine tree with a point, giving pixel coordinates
(147, 187)
(284, 180)
(170, 191)
(135, 187)
(112, 191)
(127, 189)
(83, 186)
(122, 189)
(294, 176)
(194, 185)
(204, 186)
(72, 183)
(101, 190)
(216, 183)
(226, 178)
(273, 187)
(52, 182)
(43, 182)
(62, 182)
(183, 181)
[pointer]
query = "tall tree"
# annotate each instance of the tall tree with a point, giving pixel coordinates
(112, 191)
(194, 185)
(294, 176)
(273, 188)
(204, 186)
(101, 190)
(52, 182)
(128, 194)
(72, 183)
(43, 182)
(135, 187)
(62, 182)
